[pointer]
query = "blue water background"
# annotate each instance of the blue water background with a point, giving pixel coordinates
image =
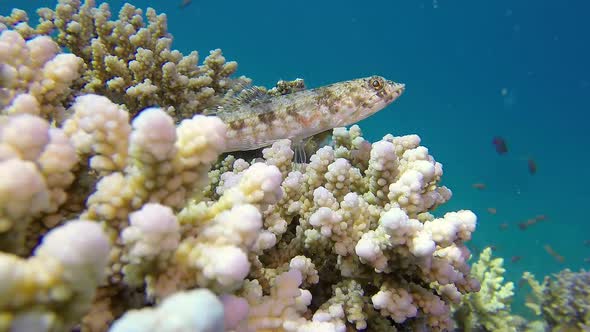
(473, 70)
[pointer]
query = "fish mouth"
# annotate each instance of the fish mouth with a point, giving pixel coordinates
(397, 87)
(395, 90)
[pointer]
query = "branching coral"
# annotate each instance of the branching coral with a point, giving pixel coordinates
(563, 300)
(263, 229)
(127, 60)
(35, 77)
(44, 160)
(488, 309)
(369, 241)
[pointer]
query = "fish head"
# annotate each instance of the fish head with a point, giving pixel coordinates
(371, 94)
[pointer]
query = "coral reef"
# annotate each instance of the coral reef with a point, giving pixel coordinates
(488, 309)
(562, 299)
(126, 60)
(34, 78)
(53, 288)
(326, 227)
(110, 204)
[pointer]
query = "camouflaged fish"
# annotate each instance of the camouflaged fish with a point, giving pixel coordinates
(261, 119)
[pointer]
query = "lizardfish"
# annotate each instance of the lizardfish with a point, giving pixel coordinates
(263, 119)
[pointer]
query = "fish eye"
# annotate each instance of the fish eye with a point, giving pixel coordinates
(376, 84)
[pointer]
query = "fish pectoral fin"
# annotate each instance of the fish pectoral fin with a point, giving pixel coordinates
(300, 156)
(253, 144)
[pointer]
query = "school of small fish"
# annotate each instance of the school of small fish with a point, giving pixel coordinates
(501, 147)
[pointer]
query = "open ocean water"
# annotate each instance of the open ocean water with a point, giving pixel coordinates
(473, 70)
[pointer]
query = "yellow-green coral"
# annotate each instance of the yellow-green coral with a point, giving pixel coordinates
(131, 62)
(490, 307)
(562, 299)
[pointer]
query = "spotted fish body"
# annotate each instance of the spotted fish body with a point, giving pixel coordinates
(259, 122)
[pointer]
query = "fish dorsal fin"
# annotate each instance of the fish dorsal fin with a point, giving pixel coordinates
(234, 100)
(250, 95)
(211, 111)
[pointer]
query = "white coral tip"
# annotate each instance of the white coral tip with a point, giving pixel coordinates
(155, 132)
(194, 310)
(394, 219)
(78, 244)
(235, 309)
